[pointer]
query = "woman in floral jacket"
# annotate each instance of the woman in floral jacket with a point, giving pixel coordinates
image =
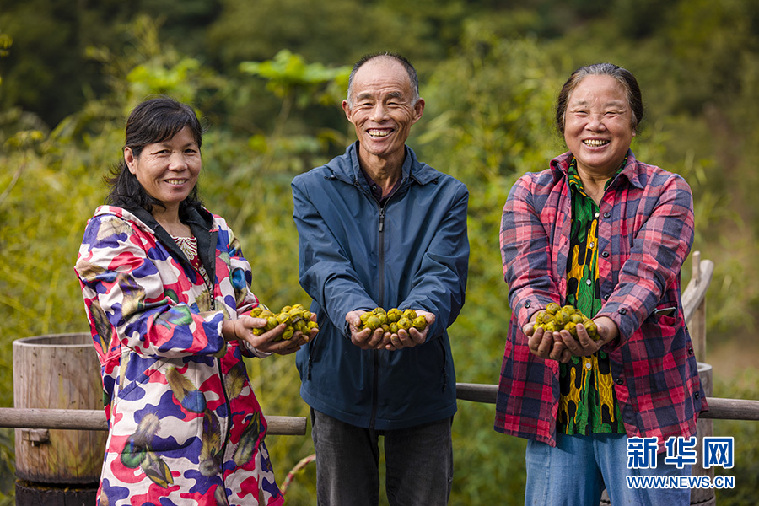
(166, 290)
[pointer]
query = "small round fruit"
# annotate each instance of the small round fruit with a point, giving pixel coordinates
(372, 323)
(552, 308)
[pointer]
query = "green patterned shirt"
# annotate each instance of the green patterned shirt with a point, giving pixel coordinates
(588, 404)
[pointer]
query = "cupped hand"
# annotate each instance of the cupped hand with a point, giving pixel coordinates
(365, 339)
(270, 341)
(411, 337)
(546, 344)
(584, 345)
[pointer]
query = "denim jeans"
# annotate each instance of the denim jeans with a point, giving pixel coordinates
(576, 471)
(418, 463)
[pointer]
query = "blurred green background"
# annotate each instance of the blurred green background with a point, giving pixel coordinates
(267, 78)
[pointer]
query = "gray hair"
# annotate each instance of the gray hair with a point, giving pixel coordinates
(623, 76)
(410, 70)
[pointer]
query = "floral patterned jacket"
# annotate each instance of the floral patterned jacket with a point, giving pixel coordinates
(185, 425)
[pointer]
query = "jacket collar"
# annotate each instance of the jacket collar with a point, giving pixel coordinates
(346, 168)
(200, 222)
(632, 171)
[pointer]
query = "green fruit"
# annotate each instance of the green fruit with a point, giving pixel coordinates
(561, 318)
(409, 314)
(591, 329)
(552, 308)
(420, 323)
(394, 315)
(372, 323)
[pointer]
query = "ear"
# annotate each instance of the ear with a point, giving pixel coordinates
(347, 110)
(129, 159)
(418, 110)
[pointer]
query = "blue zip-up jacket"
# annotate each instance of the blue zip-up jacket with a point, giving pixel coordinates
(412, 252)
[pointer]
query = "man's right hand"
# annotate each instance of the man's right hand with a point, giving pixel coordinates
(364, 339)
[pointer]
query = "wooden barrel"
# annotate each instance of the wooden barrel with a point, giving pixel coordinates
(58, 371)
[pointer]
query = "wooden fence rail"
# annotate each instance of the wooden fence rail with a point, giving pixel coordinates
(87, 419)
(719, 408)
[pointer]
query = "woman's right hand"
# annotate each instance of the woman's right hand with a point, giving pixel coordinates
(270, 341)
(546, 344)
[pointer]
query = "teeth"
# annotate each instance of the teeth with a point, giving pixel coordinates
(175, 182)
(378, 133)
(594, 143)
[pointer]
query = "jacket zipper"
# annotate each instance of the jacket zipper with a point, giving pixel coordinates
(381, 268)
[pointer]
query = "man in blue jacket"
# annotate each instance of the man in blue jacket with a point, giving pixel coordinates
(380, 229)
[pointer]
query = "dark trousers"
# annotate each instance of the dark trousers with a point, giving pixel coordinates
(418, 463)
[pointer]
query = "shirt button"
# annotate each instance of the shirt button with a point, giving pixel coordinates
(696, 395)
(605, 254)
(592, 245)
(588, 282)
(587, 365)
(606, 297)
(607, 215)
(690, 351)
(619, 381)
(622, 311)
(527, 304)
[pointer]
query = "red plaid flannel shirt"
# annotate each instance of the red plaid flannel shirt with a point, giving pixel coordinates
(645, 232)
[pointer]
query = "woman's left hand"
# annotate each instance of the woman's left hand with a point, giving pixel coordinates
(584, 345)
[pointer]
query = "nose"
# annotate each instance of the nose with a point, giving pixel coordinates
(177, 161)
(596, 122)
(379, 112)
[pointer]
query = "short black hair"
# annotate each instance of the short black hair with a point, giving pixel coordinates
(410, 70)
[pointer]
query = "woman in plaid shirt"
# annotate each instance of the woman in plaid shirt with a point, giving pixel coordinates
(607, 234)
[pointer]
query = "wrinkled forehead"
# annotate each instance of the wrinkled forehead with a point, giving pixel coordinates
(381, 75)
(603, 88)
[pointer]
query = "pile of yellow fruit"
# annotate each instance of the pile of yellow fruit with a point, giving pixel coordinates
(392, 320)
(555, 318)
(296, 317)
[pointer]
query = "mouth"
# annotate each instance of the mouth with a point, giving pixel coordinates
(175, 182)
(378, 133)
(595, 143)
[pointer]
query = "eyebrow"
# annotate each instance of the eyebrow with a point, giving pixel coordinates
(392, 94)
(619, 103)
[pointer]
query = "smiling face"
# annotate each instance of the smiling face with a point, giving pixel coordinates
(382, 109)
(167, 170)
(598, 125)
